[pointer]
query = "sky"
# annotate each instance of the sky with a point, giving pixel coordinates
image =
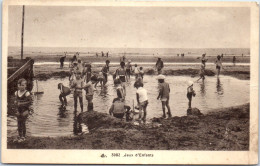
(130, 27)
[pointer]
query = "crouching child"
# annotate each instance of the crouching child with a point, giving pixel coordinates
(64, 91)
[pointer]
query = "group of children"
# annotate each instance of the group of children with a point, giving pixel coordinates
(82, 78)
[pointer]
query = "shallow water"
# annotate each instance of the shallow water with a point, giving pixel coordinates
(146, 63)
(48, 120)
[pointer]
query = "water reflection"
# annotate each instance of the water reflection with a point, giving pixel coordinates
(77, 126)
(202, 88)
(219, 85)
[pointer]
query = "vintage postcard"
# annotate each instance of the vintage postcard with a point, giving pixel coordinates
(116, 82)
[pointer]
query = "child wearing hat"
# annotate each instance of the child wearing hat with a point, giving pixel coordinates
(164, 95)
(190, 93)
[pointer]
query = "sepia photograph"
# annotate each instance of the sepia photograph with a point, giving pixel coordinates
(130, 82)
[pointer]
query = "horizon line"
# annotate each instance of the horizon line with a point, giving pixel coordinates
(137, 47)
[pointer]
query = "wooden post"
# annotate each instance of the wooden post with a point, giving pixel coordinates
(22, 34)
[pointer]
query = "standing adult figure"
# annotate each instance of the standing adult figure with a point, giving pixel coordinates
(62, 59)
(105, 71)
(159, 65)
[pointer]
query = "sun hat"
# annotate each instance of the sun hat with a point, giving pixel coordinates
(160, 77)
(190, 83)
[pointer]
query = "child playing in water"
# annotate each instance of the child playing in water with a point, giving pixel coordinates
(202, 73)
(128, 69)
(142, 100)
(78, 85)
(190, 93)
(89, 94)
(204, 60)
(136, 72)
(64, 91)
(121, 73)
(100, 79)
(141, 72)
(164, 94)
(105, 71)
(119, 89)
(218, 64)
(22, 100)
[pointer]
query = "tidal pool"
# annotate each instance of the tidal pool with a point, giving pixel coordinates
(48, 120)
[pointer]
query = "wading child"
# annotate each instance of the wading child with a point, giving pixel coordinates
(119, 89)
(136, 72)
(202, 72)
(218, 64)
(100, 79)
(105, 71)
(190, 93)
(142, 100)
(128, 69)
(121, 74)
(204, 60)
(89, 94)
(164, 95)
(64, 91)
(78, 85)
(141, 72)
(22, 100)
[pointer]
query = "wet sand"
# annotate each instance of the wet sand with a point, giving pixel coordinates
(44, 72)
(222, 129)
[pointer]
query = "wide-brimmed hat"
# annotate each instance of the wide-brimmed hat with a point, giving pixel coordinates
(160, 77)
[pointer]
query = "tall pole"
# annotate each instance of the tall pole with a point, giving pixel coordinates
(22, 35)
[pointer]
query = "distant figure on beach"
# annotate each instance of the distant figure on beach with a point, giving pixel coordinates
(222, 56)
(105, 71)
(107, 54)
(142, 101)
(78, 85)
(218, 64)
(96, 54)
(80, 66)
(164, 95)
(73, 60)
(204, 60)
(159, 65)
(89, 94)
(190, 93)
(234, 60)
(102, 53)
(177, 54)
(62, 59)
(242, 55)
(121, 74)
(128, 70)
(136, 72)
(22, 101)
(124, 58)
(64, 91)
